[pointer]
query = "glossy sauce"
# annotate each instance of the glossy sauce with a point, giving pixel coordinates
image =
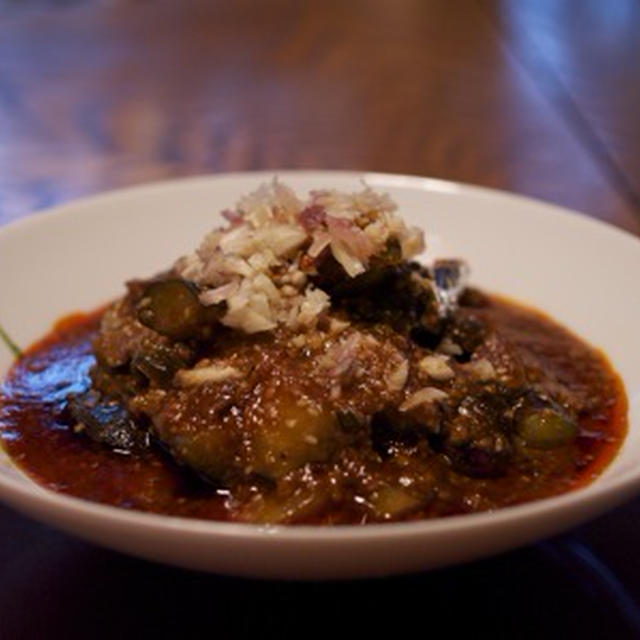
(37, 436)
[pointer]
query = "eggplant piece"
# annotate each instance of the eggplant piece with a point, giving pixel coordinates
(233, 432)
(397, 295)
(352, 422)
(477, 438)
(159, 364)
(331, 277)
(474, 298)
(296, 436)
(391, 429)
(486, 459)
(391, 502)
(468, 332)
(426, 338)
(107, 422)
(544, 424)
(172, 308)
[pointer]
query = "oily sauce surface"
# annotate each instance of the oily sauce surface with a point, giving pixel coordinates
(37, 436)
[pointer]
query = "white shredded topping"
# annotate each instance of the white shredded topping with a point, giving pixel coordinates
(337, 326)
(436, 367)
(258, 264)
(398, 377)
(341, 355)
(449, 347)
(200, 375)
(482, 369)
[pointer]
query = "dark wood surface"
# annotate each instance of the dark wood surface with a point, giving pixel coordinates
(539, 97)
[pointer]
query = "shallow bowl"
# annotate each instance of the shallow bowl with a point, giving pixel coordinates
(580, 271)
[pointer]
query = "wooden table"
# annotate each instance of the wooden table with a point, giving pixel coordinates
(541, 97)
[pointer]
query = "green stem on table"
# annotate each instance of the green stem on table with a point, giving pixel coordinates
(12, 346)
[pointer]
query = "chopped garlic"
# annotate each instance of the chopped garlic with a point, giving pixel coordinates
(482, 369)
(338, 326)
(201, 375)
(449, 347)
(271, 233)
(398, 377)
(427, 395)
(436, 367)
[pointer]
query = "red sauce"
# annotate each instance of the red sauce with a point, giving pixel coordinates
(44, 446)
(40, 443)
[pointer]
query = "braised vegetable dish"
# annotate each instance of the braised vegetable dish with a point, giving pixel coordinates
(300, 367)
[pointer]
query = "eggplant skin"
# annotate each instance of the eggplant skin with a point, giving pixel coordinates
(107, 422)
(172, 309)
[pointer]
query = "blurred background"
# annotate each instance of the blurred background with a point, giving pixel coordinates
(540, 97)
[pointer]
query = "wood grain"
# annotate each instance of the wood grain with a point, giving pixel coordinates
(102, 95)
(585, 57)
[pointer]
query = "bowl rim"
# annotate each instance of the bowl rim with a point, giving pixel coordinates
(592, 494)
(599, 491)
(384, 179)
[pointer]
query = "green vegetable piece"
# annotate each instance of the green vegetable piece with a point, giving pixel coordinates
(172, 308)
(11, 345)
(546, 428)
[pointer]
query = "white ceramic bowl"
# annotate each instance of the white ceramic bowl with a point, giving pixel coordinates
(584, 273)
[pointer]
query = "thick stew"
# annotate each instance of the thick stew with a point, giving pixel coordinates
(299, 367)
